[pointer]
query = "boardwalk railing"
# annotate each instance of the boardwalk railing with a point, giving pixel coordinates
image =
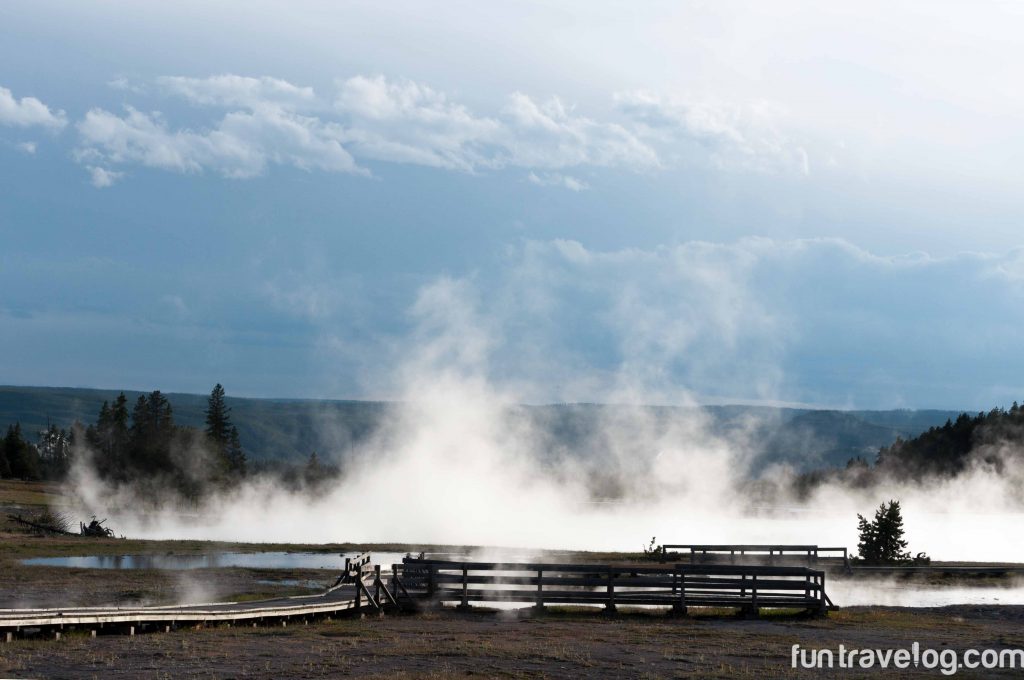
(679, 586)
(760, 553)
(355, 569)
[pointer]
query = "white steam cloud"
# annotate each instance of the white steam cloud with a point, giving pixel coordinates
(454, 465)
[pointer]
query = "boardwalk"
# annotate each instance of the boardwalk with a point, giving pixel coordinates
(364, 587)
(131, 620)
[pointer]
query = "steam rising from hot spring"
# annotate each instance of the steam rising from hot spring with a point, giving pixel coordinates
(453, 465)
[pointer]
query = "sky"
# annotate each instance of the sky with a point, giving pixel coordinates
(786, 203)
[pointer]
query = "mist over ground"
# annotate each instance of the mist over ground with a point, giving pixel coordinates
(455, 462)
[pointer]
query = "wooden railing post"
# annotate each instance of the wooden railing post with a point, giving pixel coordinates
(679, 579)
(376, 584)
(821, 595)
(610, 605)
(540, 590)
(465, 588)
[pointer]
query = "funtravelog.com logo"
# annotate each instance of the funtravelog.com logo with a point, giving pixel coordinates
(946, 661)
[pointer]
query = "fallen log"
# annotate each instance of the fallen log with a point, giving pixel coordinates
(41, 527)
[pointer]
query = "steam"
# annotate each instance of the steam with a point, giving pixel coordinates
(457, 464)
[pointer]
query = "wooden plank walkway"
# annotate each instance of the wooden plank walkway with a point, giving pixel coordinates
(137, 619)
(347, 595)
(362, 586)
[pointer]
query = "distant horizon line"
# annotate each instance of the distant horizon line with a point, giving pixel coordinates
(710, 403)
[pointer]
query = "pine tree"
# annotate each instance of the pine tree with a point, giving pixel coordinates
(223, 435)
(151, 434)
(237, 463)
(892, 546)
(881, 541)
(218, 418)
(22, 457)
(867, 546)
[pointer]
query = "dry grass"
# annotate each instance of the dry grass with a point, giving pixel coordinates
(445, 644)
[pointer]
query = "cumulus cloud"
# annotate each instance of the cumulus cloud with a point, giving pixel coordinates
(27, 147)
(232, 90)
(241, 145)
(266, 120)
(747, 136)
(406, 122)
(28, 112)
(551, 135)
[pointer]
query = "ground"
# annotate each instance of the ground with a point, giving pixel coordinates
(434, 643)
(449, 644)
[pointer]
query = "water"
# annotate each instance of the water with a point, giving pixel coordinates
(259, 560)
(895, 594)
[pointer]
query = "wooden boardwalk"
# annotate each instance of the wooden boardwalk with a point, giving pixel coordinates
(759, 553)
(134, 620)
(364, 587)
(349, 594)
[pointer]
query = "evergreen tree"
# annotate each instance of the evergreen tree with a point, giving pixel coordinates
(5, 466)
(218, 418)
(237, 463)
(867, 546)
(151, 434)
(223, 435)
(881, 541)
(22, 457)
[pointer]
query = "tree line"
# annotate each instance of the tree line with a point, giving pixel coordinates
(992, 439)
(143, 446)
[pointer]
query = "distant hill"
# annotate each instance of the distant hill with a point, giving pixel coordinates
(290, 429)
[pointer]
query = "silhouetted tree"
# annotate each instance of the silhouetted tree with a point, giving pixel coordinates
(22, 457)
(218, 417)
(223, 436)
(237, 463)
(881, 540)
(151, 434)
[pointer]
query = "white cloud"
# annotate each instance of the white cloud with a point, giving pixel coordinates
(747, 136)
(551, 135)
(101, 177)
(241, 145)
(28, 112)
(28, 147)
(272, 121)
(405, 122)
(232, 90)
(555, 179)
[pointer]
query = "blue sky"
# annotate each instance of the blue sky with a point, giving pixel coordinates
(778, 203)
